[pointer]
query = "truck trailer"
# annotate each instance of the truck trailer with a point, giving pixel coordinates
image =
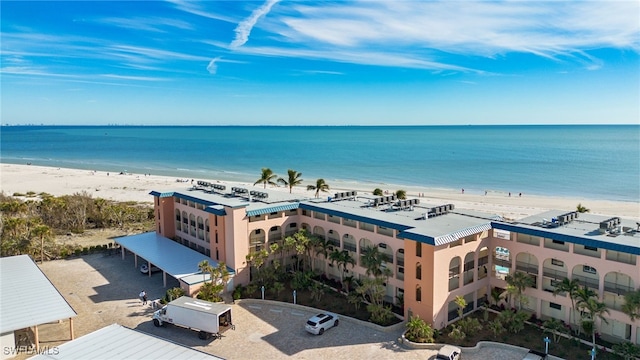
(206, 317)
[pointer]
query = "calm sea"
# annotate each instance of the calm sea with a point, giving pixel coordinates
(601, 162)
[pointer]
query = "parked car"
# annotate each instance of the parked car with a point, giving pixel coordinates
(449, 352)
(144, 268)
(321, 322)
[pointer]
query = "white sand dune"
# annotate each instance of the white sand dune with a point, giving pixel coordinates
(136, 187)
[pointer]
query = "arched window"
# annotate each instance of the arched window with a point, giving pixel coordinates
(419, 271)
(418, 293)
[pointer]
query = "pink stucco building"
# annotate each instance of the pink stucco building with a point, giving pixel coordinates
(434, 251)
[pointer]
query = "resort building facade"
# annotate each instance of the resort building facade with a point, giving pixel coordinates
(434, 252)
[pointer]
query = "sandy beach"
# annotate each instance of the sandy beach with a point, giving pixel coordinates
(136, 187)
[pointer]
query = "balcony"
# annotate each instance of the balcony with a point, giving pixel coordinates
(349, 247)
(554, 274)
(618, 289)
(527, 268)
(588, 282)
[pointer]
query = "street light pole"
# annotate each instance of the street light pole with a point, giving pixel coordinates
(546, 344)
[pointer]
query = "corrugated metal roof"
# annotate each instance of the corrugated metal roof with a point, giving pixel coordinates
(268, 210)
(441, 240)
(175, 259)
(119, 342)
(27, 297)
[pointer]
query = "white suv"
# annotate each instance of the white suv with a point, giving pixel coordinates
(449, 352)
(321, 322)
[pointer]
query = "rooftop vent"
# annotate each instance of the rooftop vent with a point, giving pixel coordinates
(383, 200)
(344, 195)
(259, 194)
(407, 203)
(609, 225)
(439, 210)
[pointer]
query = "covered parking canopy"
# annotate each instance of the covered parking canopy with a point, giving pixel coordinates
(28, 299)
(172, 258)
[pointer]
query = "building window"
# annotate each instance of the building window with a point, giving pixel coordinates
(557, 242)
(557, 262)
(216, 237)
(418, 294)
(589, 269)
(418, 271)
(555, 306)
(591, 248)
(217, 255)
(418, 249)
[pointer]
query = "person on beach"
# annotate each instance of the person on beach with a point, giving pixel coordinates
(463, 191)
(143, 297)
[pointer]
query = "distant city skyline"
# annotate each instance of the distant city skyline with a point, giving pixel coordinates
(319, 63)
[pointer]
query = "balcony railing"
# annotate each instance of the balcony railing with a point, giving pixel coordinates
(500, 262)
(350, 247)
(483, 261)
(554, 274)
(617, 288)
(588, 282)
(528, 268)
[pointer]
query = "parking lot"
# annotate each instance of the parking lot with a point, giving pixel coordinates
(103, 289)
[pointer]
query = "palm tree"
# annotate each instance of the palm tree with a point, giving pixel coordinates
(631, 305)
(42, 232)
(570, 287)
(371, 259)
(595, 310)
(342, 259)
(205, 268)
(401, 194)
(267, 177)
(377, 192)
(293, 180)
(582, 209)
(461, 303)
(519, 281)
(320, 185)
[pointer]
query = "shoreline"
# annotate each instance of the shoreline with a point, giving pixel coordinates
(119, 186)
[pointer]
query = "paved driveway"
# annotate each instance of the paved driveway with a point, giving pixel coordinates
(103, 290)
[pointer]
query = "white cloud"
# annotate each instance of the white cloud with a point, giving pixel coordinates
(556, 29)
(243, 30)
(212, 68)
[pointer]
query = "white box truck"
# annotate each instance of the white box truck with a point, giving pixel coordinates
(205, 316)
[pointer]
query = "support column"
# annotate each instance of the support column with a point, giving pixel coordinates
(37, 338)
(135, 260)
(164, 278)
(71, 334)
(122, 251)
(149, 268)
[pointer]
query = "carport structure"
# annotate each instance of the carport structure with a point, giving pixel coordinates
(172, 258)
(27, 299)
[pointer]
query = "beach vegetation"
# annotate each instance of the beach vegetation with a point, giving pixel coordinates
(401, 194)
(320, 186)
(582, 209)
(267, 177)
(378, 192)
(42, 227)
(294, 178)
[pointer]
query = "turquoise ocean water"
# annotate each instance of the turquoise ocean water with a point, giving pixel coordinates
(600, 162)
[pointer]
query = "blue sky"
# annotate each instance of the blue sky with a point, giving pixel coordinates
(320, 62)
